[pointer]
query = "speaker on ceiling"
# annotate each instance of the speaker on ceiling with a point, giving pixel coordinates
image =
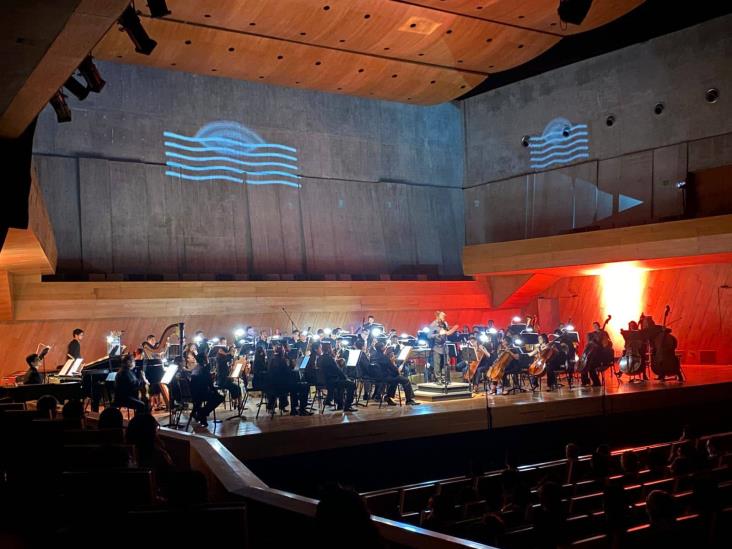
(573, 11)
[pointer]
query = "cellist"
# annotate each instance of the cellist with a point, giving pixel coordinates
(552, 364)
(477, 367)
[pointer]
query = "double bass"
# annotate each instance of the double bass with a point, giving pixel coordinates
(594, 346)
(631, 363)
(665, 362)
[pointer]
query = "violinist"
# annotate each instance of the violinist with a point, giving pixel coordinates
(439, 332)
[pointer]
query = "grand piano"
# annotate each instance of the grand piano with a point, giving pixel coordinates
(24, 393)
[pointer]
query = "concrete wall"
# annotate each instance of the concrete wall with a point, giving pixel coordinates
(641, 156)
(374, 177)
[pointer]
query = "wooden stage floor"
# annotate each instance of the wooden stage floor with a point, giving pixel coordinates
(283, 435)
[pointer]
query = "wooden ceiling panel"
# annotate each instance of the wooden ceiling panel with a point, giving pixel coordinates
(538, 15)
(385, 29)
(216, 52)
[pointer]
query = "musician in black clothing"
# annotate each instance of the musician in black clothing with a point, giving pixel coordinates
(202, 351)
(127, 386)
(74, 348)
(363, 367)
(203, 391)
(283, 380)
(223, 372)
(33, 376)
(259, 368)
(336, 379)
(386, 361)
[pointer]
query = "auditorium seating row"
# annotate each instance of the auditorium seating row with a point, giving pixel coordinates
(473, 497)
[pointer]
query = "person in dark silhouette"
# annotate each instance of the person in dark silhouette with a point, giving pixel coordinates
(33, 376)
(342, 515)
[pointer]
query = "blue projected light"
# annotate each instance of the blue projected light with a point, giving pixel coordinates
(232, 145)
(560, 143)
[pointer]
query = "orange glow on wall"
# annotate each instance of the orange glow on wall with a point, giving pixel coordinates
(622, 287)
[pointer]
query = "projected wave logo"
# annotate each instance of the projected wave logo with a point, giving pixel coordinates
(229, 151)
(560, 143)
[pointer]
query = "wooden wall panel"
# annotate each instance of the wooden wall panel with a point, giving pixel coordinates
(699, 305)
(630, 175)
(669, 167)
(711, 152)
(96, 215)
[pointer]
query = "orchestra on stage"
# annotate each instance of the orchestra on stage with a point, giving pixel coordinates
(334, 368)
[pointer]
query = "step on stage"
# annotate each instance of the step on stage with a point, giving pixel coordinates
(283, 435)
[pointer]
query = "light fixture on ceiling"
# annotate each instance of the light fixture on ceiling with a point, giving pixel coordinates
(63, 112)
(573, 11)
(88, 70)
(130, 22)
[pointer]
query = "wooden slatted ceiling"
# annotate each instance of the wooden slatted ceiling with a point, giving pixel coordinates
(538, 15)
(401, 51)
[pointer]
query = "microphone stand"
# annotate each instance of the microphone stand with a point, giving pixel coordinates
(293, 326)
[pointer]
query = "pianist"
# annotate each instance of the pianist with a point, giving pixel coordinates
(33, 376)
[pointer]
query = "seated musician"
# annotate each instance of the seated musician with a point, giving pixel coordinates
(279, 380)
(634, 347)
(505, 346)
(363, 368)
(391, 376)
(298, 388)
(259, 368)
(203, 393)
(598, 341)
(336, 380)
(552, 364)
(127, 386)
(33, 376)
(191, 357)
(484, 361)
(223, 373)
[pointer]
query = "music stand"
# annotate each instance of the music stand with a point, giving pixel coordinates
(303, 362)
(472, 356)
(170, 371)
(353, 356)
(236, 373)
(529, 338)
(66, 367)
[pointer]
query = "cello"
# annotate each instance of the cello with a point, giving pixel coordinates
(480, 352)
(538, 367)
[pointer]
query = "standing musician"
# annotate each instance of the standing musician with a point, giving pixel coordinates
(369, 324)
(279, 380)
(154, 372)
(634, 347)
(598, 343)
(224, 358)
(262, 339)
(439, 333)
(74, 348)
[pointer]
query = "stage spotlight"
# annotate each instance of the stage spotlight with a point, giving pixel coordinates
(516, 319)
(316, 337)
(239, 333)
(376, 332)
(158, 8)
(681, 184)
(492, 331)
(242, 341)
(573, 11)
(94, 81)
(404, 335)
(569, 328)
(529, 329)
(327, 331)
(484, 338)
(304, 332)
(197, 340)
(77, 88)
(426, 329)
(215, 340)
(63, 112)
(422, 343)
(518, 342)
(110, 339)
(130, 22)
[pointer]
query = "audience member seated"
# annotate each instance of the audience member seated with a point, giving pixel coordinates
(683, 462)
(110, 418)
(662, 512)
(630, 467)
(706, 500)
(73, 414)
(615, 508)
(549, 518)
(571, 453)
(33, 376)
(714, 456)
(656, 463)
(47, 406)
(491, 529)
(342, 517)
(127, 386)
(142, 433)
(600, 462)
(440, 515)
